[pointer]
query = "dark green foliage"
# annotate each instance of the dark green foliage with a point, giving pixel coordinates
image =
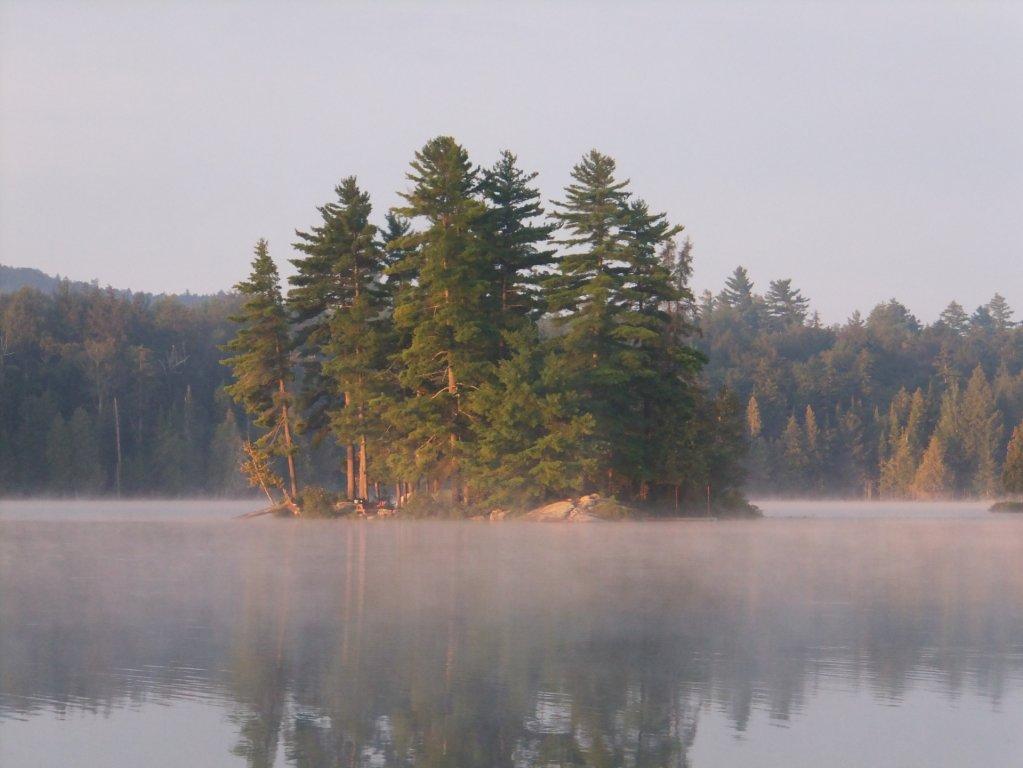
(517, 242)
(260, 360)
(341, 305)
(617, 301)
(883, 392)
(445, 313)
(71, 353)
(785, 305)
(529, 432)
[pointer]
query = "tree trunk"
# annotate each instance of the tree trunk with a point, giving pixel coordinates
(117, 446)
(292, 477)
(363, 479)
(350, 471)
(349, 459)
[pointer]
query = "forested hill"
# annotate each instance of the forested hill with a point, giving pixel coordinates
(15, 278)
(881, 404)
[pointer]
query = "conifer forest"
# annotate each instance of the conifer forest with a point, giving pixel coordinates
(479, 346)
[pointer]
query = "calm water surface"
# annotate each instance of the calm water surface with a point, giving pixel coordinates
(166, 634)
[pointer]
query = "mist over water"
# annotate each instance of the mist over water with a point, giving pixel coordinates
(820, 640)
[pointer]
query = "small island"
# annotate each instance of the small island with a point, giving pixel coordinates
(476, 359)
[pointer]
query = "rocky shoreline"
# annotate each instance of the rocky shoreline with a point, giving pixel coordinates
(591, 508)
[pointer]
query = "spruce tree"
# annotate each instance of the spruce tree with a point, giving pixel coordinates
(445, 314)
(260, 361)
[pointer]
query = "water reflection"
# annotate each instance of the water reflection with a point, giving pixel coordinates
(505, 645)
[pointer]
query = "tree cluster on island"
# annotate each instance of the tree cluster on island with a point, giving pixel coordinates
(474, 352)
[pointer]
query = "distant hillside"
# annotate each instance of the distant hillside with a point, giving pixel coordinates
(15, 278)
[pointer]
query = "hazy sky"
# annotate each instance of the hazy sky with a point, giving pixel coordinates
(866, 150)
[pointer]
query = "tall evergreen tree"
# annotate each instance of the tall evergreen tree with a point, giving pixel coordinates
(341, 267)
(516, 239)
(610, 295)
(738, 291)
(1001, 312)
(260, 360)
(355, 344)
(446, 313)
(785, 305)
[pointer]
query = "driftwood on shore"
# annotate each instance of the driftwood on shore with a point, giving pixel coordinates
(287, 508)
(257, 513)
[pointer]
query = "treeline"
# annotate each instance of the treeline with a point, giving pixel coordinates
(102, 391)
(473, 349)
(878, 406)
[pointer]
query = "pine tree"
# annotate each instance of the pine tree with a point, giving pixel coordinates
(932, 476)
(516, 240)
(355, 345)
(784, 305)
(1012, 471)
(446, 312)
(738, 291)
(610, 296)
(337, 301)
(260, 360)
(1001, 312)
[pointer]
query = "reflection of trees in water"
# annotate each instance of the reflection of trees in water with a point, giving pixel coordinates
(350, 645)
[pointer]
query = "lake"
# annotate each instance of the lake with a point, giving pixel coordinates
(828, 634)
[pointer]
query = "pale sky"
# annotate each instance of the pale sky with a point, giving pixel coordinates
(865, 150)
